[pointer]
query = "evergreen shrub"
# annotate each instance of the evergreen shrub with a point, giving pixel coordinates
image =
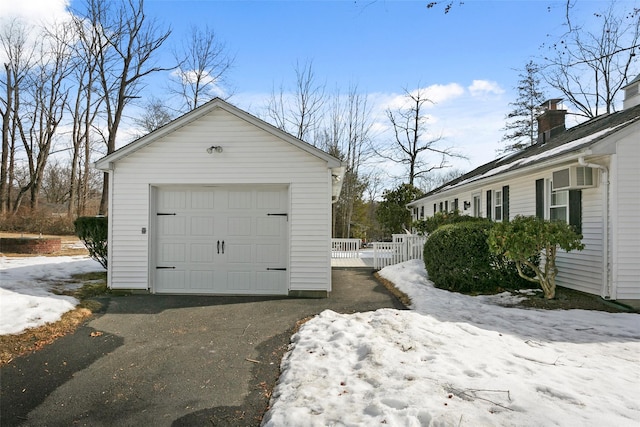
(457, 258)
(431, 224)
(92, 230)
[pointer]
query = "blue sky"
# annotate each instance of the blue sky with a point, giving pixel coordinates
(467, 59)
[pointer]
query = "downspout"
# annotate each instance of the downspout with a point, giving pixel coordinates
(605, 292)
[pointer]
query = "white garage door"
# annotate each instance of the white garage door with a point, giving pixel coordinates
(222, 240)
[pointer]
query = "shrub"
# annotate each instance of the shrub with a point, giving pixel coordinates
(38, 221)
(431, 224)
(457, 258)
(93, 233)
(529, 236)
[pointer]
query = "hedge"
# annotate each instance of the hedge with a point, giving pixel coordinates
(92, 230)
(457, 258)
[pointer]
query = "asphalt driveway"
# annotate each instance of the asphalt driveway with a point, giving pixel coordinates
(171, 360)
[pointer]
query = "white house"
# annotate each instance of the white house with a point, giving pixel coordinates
(220, 202)
(588, 175)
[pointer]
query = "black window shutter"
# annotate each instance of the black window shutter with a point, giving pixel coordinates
(435, 209)
(575, 209)
(446, 206)
(455, 204)
(489, 204)
(540, 198)
(505, 203)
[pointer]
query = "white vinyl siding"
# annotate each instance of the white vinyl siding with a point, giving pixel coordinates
(250, 156)
(577, 270)
(626, 234)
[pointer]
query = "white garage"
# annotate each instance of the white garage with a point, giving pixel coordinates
(220, 202)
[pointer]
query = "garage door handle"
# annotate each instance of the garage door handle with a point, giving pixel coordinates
(218, 246)
(276, 269)
(164, 268)
(223, 246)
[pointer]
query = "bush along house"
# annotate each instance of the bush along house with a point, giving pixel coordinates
(588, 175)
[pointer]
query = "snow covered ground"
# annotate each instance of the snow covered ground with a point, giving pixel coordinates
(28, 286)
(455, 360)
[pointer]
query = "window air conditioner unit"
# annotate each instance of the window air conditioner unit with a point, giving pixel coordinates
(574, 178)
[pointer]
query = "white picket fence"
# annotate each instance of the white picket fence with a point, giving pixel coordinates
(345, 248)
(404, 247)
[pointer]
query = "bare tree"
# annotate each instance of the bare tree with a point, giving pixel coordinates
(84, 110)
(590, 67)
(155, 115)
(521, 126)
(301, 113)
(48, 93)
(410, 144)
(128, 42)
(203, 64)
(350, 124)
(20, 55)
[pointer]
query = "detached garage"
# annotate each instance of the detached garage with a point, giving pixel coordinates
(220, 202)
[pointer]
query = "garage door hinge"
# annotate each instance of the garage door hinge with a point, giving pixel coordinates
(164, 268)
(279, 214)
(164, 214)
(276, 269)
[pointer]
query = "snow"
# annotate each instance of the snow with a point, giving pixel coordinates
(28, 287)
(452, 360)
(456, 360)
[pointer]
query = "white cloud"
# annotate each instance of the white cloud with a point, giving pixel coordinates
(485, 87)
(34, 11)
(437, 94)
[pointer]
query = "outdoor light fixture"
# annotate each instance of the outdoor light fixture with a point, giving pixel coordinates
(216, 148)
(467, 205)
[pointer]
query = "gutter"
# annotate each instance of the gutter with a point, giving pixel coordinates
(605, 292)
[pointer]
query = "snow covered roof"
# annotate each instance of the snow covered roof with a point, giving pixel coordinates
(574, 140)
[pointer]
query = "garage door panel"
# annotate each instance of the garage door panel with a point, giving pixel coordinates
(238, 253)
(270, 281)
(240, 199)
(269, 226)
(221, 240)
(266, 200)
(202, 226)
(240, 281)
(239, 227)
(202, 253)
(202, 200)
(170, 225)
(171, 280)
(201, 279)
(269, 254)
(175, 199)
(172, 252)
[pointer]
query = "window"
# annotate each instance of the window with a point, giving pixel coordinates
(446, 206)
(559, 206)
(476, 205)
(422, 212)
(497, 205)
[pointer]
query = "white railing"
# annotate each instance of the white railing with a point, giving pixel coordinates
(403, 248)
(345, 248)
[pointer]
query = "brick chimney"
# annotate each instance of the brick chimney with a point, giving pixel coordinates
(551, 121)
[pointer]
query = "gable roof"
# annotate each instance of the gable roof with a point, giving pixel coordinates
(574, 140)
(105, 162)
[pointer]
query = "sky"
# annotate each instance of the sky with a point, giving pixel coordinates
(451, 360)
(468, 60)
